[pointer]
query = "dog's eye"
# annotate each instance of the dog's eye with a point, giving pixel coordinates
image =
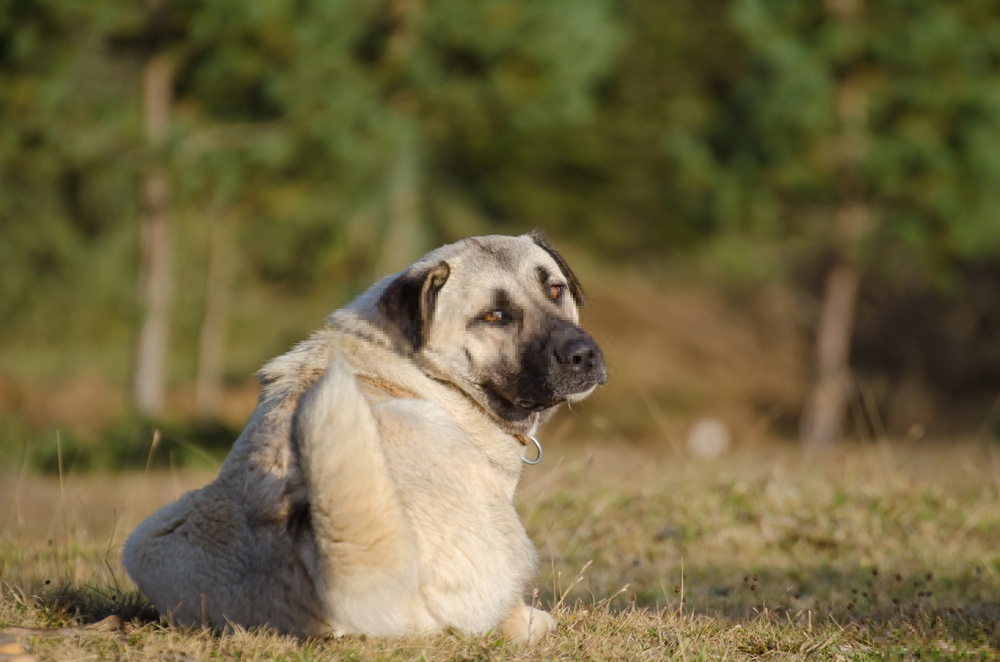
(556, 292)
(496, 317)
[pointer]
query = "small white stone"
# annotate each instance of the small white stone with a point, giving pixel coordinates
(708, 438)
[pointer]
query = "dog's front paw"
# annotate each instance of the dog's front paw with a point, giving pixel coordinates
(527, 625)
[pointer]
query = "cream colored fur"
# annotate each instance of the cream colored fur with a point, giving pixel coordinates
(411, 525)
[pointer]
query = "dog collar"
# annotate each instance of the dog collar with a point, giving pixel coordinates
(524, 442)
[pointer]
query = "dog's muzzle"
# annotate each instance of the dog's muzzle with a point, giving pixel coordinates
(574, 358)
(564, 363)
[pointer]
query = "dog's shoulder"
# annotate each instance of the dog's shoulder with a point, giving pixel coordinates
(261, 467)
(289, 375)
(286, 378)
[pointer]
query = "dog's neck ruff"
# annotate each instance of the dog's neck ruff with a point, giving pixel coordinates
(524, 442)
(396, 391)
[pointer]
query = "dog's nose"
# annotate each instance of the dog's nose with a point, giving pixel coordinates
(571, 353)
(578, 354)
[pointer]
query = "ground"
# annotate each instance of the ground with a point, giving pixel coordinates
(868, 552)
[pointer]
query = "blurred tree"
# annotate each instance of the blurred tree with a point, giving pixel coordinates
(347, 110)
(65, 168)
(157, 260)
(825, 408)
(151, 32)
(293, 118)
(608, 184)
(150, 36)
(412, 92)
(860, 133)
(32, 52)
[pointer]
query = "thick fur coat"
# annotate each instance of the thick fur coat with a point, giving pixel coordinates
(372, 490)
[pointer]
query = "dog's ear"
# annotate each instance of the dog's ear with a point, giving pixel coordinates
(407, 305)
(574, 283)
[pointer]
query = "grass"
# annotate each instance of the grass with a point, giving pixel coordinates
(870, 552)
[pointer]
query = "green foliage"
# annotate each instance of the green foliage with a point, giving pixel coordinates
(287, 118)
(611, 186)
(61, 172)
(766, 163)
(642, 130)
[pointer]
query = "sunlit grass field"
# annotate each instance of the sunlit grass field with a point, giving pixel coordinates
(872, 551)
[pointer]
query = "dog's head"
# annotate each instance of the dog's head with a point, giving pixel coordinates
(497, 317)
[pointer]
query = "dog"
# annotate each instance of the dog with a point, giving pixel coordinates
(372, 490)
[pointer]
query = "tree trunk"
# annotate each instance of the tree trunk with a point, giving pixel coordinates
(403, 241)
(156, 250)
(821, 423)
(214, 324)
(826, 405)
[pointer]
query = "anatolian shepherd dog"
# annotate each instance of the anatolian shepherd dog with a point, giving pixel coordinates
(372, 490)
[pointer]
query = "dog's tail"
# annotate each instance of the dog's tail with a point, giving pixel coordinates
(366, 547)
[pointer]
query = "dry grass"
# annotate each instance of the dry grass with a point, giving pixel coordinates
(867, 553)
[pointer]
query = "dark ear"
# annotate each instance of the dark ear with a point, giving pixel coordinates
(574, 284)
(407, 305)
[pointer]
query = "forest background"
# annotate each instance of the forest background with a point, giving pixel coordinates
(786, 212)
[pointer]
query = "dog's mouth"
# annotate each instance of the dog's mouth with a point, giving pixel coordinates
(534, 405)
(517, 407)
(513, 408)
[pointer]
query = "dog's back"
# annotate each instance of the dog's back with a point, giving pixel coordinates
(360, 512)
